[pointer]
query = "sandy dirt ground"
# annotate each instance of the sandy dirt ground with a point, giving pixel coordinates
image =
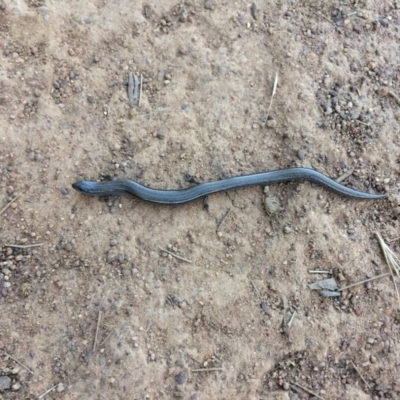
(97, 310)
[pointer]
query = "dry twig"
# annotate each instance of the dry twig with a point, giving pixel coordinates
(345, 175)
(9, 203)
(140, 91)
(394, 96)
(24, 246)
(175, 255)
(359, 373)
(308, 391)
(206, 369)
(47, 392)
(224, 218)
(112, 331)
(273, 94)
(22, 365)
(97, 331)
(364, 281)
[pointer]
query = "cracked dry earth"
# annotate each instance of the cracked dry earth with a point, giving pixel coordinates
(90, 306)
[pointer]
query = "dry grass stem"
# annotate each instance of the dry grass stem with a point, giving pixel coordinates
(392, 261)
(97, 331)
(19, 363)
(175, 255)
(290, 322)
(9, 203)
(345, 175)
(105, 340)
(140, 90)
(364, 281)
(24, 246)
(317, 271)
(47, 392)
(394, 96)
(359, 373)
(206, 369)
(273, 93)
(224, 218)
(308, 391)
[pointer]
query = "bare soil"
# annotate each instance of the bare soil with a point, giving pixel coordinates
(97, 310)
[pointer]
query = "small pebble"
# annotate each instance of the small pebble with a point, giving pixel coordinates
(60, 387)
(301, 154)
(271, 123)
(208, 5)
(111, 256)
(287, 230)
(67, 247)
(354, 115)
(113, 242)
(354, 67)
(5, 383)
(370, 340)
(180, 378)
(396, 211)
(16, 386)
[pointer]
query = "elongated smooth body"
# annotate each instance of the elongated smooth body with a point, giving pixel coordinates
(128, 187)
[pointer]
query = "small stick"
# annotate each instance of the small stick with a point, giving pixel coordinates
(364, 281)
(317, 271)
(206, 369)
(175, 255)
(308, 391)
(359, 373)
(162, 109)
(22, 365)
(131, 90)
(9, 203)
(112, 331)
(345, 175)
(273, 94)
(394, 96)
(140, 92)
(323, 16)
(148, 325)
(255, 287)
(47, 391)
(24, 246)
(290, 323)
(97, 331)
(223, 219)
(363, 123)
(133, 86)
